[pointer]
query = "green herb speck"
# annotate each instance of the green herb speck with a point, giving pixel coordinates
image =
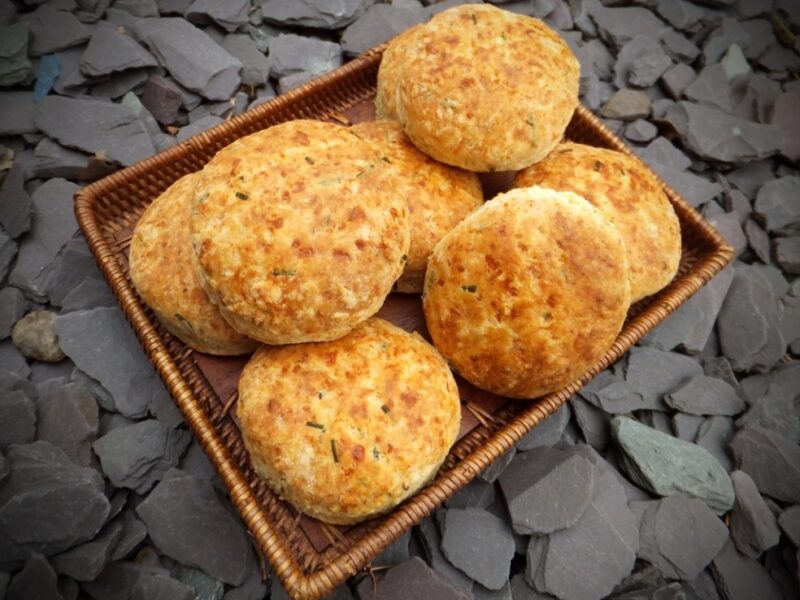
(598, 165)
(319, 395)
(334, 451)
(202, 197)
(386, 159)
(470, 288)
(449, 103)
(319, 426)
(375, 453)
(404, 258)
(309, 160)
(241, 178)
(284, 272)
(242, 195)
(474, 18)
(384, 408)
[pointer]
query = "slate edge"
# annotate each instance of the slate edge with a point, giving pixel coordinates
(271, 542)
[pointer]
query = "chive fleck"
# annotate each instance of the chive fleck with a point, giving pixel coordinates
(375, 453)
(319, 395)
(242, 195)
(284, 272)
(470, 288)
(202, 197)
(184, 320)
(384, 408)
(334, 452)
(474, 18)
(309, 160)
(386, 159)
(598, 165)
(404, 258)
(319, 426)
(241, 178)
(405, 487)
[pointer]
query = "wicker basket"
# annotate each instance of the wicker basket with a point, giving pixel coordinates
(311, 559)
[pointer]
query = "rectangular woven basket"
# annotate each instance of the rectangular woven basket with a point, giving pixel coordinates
(309, 558)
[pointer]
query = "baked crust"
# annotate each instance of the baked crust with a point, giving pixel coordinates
(389, 72)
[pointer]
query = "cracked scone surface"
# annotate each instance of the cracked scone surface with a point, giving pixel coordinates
(528, 292)
(439, 196)
(298, 233)
(629, 196)
(486, 89)
(162, 269)
(346, 430)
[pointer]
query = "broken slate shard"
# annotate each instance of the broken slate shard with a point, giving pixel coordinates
(18, 415)
(13, 305)
(325, 14)
(17, 111)
(666, 465)
(627, 105)
(547, 489)
(653, 373)
(230, 15)
(741, 578)
(110, 51)
(53, 30)
(15, 67)
(777, 411)
(703, 395)
(776, 204)
(378, 24)
(36, 580)
(680, 536)
(137, 456)
(188, 523)
(714, 435)
(191, 57)
(411, 579)
(618, 26)
(754, 528)
(85, 561)
(772, 461)
(15, 205)
(67, 418)
(255, 66)
(548, 432)
(292, 54)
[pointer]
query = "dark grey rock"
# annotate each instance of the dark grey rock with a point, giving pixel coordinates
(289, 82)
(750, 177)
(711, 86)
(17, 113)
(787, 254)
(728, 225)
(618, 398)
(592, 422)
(204, 586)
(627, 105)
(255, 66)
(431, 543)
(618, 26)
(13, 305)
(655, 419)
(741, 578)
(394, 553)
(714, 435)
(12, 360)
(48, 503)
(8, 251)
(71, 81)
(15, 68)
(119, 84)
(53, 30)
(35, 336)
(54, 160)
(679, 536)
(68, 419)
(784, 117)
(137, 456)
(641, 50)
(481, 593)
(230, 16)
(535, 479)
(15, 204)
(754, 528)
(679, 47)
(138, 8)
(327, 14)
(118, 580)
(292, 54)
(679, 13)
(253, 587)
(85, 561)
(494, 470)
(720, 39)
(703, 395)
(588, 560)
(595, 58)
(690, 326)
(771, 460)
(110, 51)
(685, 427)
(73, 265)
(646, 69)
(719, 367)
(653, 373)
(191, 57)
(756, 95)
(41, 372)
(520, 590)
(36, 580)
(548, 432)
(789, 521)
(188, 523)
(378, 24)
(18, 415)
(132, 534)
(736, 201)
(758, 240)
(666, 465)
(476, 494)
(197, 127)
(776, 204)
(161, 587)
(90, 293)
(647, 583)
(641, 131)
(102, 344)
(412, 579)
(162, 98)
(777, 410)
(479, 544)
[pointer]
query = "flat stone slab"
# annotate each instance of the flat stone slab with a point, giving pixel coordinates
(754, 528)
(16, 211)
(654, 373)
(111, 51)
(378, 24)
(17, 112)
(547, 489)
(548, 432)
(13, 305)
(411, 579)
(15, 68)
(67, 418)
(789, 522)
(772, 461)
(703, 395)
(255, 66)
(666, 465)
(776, 204)
(325, 14)
(53, 30)
(714, 435)
(85, 561)
(230, 16)
(777, 411)
(37, 579)
(480, 544)
(18, 415)
(291, 54)
(742, 578)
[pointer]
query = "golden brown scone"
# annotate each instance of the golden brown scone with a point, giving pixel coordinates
(485, 89)
(439, 196)
(528, 292)
(629, 196)
(346, 430)
(162, 269)
(298, 232)
(388, 74)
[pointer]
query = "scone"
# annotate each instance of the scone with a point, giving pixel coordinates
(389, 73)
(162, 269)
(629, 196)
(298, 232)
(485, 89)
(439, 196)
(346, 430)
(528, 292)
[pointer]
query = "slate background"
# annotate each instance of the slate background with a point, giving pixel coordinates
(103, 493)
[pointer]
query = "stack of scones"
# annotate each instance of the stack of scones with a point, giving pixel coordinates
(289, 240)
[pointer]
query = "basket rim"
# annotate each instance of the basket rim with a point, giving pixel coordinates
(402, 518)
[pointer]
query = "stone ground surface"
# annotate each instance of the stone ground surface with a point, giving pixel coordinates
(103, 492)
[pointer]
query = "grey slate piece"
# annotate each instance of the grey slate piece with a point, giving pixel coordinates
(618, 26)
(292, 54)
(750, 177)
(653, 373)
(35, 336)
(480, 544)
(12, 360)
(8, 250)
(230, 16)
(17, 112)
(685, 427)
(714, 435)
(411, 580)
(703, 395)
(728, 225)
(188, 523)
(789, 520)
(48, 504)
(53, 225)
(481, 593)
(655, 419)
(90, 293)
(666, 465)
(641, 131)
(676, 78)
(679, 47)
(324, 14)
(736, 201)
(198, 126)
(647, 68)
(431, 544)
(720, 39)
(132, 534)
(711, 86)
(639, 48)
(205, 587)
(85, 561)
(15, 203)
(394, 553)
(680, 536)
(161, 587)
(15, 67)
(102, 344)
(18, 415)
(191, 57)
(54, 160)
(138, 8)
(13, 305)
(627, 105)
(771, 460)
(754, 528)
(255, 66)
(67, 418)
(74, 264)
(741, 578)
(592, 422)
(110, 51)
(118, 579)
(520, 590)
(588, 560)
(119, 84)
(379, 23)
(787, 254)
(758, 240)
(595, 58)
(679, 13)
(137, 456)
(620, 397)
(494, 470)
(36, 580)
(548, 432)
(776, 204)
(777, 410)
(644, 583)
(162, 98)
(71, 81)
(53, 30)
(289, 82)
(784, 117)
(533, 481)
(477, 494)
(760, 93)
